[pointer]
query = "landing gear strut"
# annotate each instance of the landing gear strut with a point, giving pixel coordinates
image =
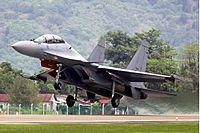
(115, 100)
(58, 85)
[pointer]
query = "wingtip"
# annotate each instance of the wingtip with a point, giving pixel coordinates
(174, 78)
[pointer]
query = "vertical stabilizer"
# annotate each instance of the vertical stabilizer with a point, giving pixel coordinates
(97, 54)
(139, 60)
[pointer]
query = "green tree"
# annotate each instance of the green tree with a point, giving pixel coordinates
(23, 91)
(121, 48)
(7, 76)
(46, 87)
(189, 65)
(19, 90)
(6, 67)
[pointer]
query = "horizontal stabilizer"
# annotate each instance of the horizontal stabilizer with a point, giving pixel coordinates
(156, 93)
(174, 78)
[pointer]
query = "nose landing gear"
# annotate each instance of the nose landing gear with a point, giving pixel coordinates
(58, 86)
(70, 100)
(115, 101)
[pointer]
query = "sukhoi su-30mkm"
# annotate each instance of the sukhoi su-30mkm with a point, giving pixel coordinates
(66, 65)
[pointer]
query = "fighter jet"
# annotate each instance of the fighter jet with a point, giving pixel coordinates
(66, 65)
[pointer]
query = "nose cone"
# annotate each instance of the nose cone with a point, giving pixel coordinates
(25, 47)
(19, 46)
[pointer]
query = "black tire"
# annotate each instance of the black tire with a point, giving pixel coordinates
(70, 101)
(115, 101)
(58, 86)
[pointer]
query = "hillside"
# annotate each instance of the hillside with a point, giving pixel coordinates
(82, 22)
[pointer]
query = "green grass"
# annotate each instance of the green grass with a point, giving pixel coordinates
(102, 128)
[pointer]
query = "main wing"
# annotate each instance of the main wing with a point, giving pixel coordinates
(136, 76)
(124, 74)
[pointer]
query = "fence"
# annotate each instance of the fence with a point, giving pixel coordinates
(77, 109)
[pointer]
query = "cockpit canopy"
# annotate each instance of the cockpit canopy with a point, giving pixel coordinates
(49, 38)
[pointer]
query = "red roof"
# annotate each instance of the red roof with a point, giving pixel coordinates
(104, 100)
(3, 98)
(44, 97)
(47, 97)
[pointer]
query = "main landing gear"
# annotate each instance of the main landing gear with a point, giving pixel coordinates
(115, 100)
(71, 100)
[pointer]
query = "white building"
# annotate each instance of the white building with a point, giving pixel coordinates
(3, 102)
(49, 101)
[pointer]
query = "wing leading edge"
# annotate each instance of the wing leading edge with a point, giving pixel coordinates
(137, 76)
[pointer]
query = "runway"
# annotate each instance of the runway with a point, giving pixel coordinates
(91, 119)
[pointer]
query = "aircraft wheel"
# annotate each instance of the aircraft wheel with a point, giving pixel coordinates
(58, 86)
(70, 101)
(115, 101)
